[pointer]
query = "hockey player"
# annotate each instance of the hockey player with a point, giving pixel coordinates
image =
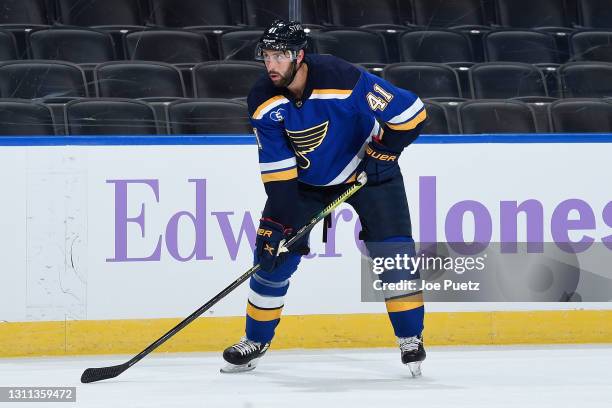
(318, 121)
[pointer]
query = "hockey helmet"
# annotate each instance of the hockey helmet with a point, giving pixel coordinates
(282, 36)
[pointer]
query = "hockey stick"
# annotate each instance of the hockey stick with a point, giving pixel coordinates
(104, 373)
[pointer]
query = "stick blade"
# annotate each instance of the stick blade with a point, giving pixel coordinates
(103, 373)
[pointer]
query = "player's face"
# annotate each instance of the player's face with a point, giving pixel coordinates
(278, 64)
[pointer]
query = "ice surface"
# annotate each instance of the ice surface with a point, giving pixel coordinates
(543, 376)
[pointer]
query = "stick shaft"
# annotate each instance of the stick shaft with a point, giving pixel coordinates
(361, 180)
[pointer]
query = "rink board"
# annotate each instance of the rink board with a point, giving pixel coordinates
(126, 235)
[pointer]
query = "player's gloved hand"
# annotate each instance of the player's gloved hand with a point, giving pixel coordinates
(380, 163)
(270, 235)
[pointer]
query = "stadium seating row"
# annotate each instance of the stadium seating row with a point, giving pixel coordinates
(429, 13)
(218, 116)
(57, 80)
(182, 46)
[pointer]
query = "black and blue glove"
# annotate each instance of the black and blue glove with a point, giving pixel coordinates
(270, 237)
(380, 163)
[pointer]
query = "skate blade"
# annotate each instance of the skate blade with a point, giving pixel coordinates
(233, 368)
(415, 368)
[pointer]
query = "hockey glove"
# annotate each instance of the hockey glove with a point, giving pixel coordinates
(380, 163)
(270, 236)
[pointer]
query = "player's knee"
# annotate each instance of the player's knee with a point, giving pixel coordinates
(283, 271)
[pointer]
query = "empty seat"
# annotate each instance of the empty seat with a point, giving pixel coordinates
(595, 13)
(581, 116)
(171, 46)
(8, 46)
(185, 13)
(101, 12)
(506, 80)
(23, 12)
(358, 46)
(228, 79)
(206, 116)
(591, 46)
(239, 45)
(25, 118)
(109, 117)
(530, 13)
(261, 13)
(73, 45)
(448, 13)
(586, 79)
(496, 116)
(355, 13)
(531, 47)
(138, 79)
(41, 79)
(435, 46)
(437, 119)
(425, 80)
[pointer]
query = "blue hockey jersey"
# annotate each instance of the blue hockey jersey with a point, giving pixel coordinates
(320, 139)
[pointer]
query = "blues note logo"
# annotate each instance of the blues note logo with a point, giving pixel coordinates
(306, 141)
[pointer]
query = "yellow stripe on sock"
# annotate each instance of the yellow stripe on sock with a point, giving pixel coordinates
(263, 315)
(405, 303)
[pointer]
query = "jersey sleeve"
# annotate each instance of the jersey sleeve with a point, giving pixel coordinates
(400, 111)
(277, 160)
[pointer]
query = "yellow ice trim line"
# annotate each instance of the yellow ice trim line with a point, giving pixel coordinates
(308, 331)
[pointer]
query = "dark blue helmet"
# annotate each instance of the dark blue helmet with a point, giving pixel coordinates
(282, 36)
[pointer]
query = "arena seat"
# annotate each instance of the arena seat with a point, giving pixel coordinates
(595, 13)
(261, 13)
(496, 116)
(39, 79)
(109, 117)
(500, 80)
(586, 79)
(435, 46)
(355, 13)
(591, 46)
(427, 80)
(79, 46)
(239, 45)
(138, 79)
(437, 120)
(8, 46)
(23, 12)
(353, 45)
(206, 116)
(531, 47)
(227, 79)
(531, 14)
(102, 12)
(171, 46)
(448, 13)
(184, 13)
(581, 115)
(25, 118)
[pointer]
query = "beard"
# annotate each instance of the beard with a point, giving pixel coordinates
(284, 79)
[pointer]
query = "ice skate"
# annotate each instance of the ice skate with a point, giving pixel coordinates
(413, 353)
(243, 356)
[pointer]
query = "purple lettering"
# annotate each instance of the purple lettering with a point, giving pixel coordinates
(427, 209)
(247, 227)
(607, 217)
(199, 224)
(534, 213)
(561, 225)
(483, 227)
(122, 219)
